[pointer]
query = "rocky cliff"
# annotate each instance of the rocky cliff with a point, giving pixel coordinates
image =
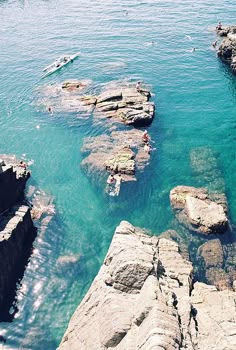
(144, 298)
(16, 229)
(227, 49)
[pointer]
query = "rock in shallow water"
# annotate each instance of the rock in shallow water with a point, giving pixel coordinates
(199, 210)
(121, 151)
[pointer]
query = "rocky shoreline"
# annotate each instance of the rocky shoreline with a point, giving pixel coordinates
(227, 48)
(17, 231)
(144, 297)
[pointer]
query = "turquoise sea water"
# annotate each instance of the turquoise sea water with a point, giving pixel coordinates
(195, 97)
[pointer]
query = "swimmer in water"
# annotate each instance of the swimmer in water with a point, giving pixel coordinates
(214, 44)
(118, 179)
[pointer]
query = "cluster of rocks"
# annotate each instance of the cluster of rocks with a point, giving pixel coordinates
(16, 229)
(120, 152)
(123, 103)
(227, 48)
(144, 298)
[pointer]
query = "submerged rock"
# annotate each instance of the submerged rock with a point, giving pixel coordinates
(144, 298)
(200, 211)
(206, 168)
(65, 97)
(227, 48)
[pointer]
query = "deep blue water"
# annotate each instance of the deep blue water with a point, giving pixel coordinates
(195, 107)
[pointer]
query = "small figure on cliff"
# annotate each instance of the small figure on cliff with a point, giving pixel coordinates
(219, 26)
(141, 90)
(22, 164)
(146, 138)
(138, 86)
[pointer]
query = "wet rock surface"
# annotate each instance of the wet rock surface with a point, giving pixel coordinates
(126, 105)
(65, 97)
(121, 151)
(123, 103)
(144, 298)
(199, 210)
(227, 48)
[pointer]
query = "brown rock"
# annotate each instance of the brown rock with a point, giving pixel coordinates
(212, 253)
(199, 210)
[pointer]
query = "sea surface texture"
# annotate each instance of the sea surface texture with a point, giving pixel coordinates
(194, 132)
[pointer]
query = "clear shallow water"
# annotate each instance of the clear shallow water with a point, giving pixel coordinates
(195, 99)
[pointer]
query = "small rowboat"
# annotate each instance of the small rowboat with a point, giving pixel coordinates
(59, 63)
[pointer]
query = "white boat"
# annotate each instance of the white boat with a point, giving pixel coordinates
(59, 63)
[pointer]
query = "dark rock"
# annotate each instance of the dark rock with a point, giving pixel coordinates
(16, 230)
(227, 49)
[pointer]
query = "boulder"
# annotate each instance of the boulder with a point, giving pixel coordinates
(227, 48)
(199, 210)
(144, 298)
(124, 104)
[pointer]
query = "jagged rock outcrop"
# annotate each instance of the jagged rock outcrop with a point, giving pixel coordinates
(144, 298)
(16, 229)
(227, 48)
(125, 104)
(199, 210)
(13, 179)
(121, 102)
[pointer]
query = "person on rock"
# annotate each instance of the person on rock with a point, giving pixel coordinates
(219, 26)
(138, 87)
(22, 164)
(146, 138)
(118, 179)
(111, 179)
